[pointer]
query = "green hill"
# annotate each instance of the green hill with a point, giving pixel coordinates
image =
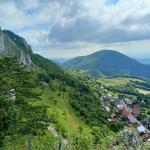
(68, 102)
(110, 63)
(73, 105)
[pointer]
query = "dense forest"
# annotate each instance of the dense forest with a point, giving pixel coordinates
(19, 113)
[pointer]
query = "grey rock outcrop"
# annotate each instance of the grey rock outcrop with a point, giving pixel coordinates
(128, 140)
(2, 47)
(25, 59)
(9, 48)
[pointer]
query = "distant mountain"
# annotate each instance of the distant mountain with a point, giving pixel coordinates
(145, 61)
(110, 63)
(60, 60)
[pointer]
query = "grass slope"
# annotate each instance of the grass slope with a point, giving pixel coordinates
(59, 106)
(60, 109)
(81, 97)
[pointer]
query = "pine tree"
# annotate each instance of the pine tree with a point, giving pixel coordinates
(20, 112)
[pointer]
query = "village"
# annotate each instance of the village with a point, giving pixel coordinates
(126, 111)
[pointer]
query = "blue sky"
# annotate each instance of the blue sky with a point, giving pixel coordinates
(112, 2)
(69, 28)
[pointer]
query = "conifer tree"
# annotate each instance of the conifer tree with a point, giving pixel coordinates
(20, 112)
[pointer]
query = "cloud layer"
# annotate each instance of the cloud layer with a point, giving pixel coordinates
(69, 25)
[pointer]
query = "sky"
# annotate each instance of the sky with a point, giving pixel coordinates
(70, 28)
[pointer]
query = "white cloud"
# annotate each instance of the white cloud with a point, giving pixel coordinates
(75, 27)
(99, 22)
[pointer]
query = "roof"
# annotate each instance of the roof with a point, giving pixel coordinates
(136, 111)
(128, 101)
(141, 129)
(117, 101)
(107, 109)
(113, 115)
(125, 112)
(120, 107)
(132, 118)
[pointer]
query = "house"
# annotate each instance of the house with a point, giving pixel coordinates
(110, 96)
(125, 112)
(128, 101)
(121, 108)
(107, 109)
(136, 110)
(109, 120)
(146, 135)
(141, 129)
(147, 119)
(113, 117)
(117, 101)
(106, 100)
(132, 119)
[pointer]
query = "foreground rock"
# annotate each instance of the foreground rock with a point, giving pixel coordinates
(129, 139)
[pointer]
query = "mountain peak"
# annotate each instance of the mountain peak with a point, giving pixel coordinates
(110, 63)
(14, 45)
(108, 52)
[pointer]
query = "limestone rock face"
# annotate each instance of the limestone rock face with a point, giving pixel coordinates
(25, 59)
(2, 47)
(8, 47)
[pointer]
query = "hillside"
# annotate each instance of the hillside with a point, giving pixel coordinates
(13, 45)
(69, 104)
(16, 46)
(110, 63)
(73, 106)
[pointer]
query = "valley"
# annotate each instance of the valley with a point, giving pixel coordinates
(116, 81)
(74, 75)
(71, 108)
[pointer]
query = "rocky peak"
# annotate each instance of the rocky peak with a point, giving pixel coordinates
(2, 47)
(14, 45)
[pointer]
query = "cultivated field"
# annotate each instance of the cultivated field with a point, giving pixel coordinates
(116, 81)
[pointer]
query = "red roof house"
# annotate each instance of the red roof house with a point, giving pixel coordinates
(125, 113)
(136, 111)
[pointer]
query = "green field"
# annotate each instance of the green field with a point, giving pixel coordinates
(145, 92)
(116, 81)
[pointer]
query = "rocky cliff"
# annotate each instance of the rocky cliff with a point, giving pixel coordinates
(13, 45)
(129, 139)
(2, 47)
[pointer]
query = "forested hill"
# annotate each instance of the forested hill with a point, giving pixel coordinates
(48, 72)
(72, 104)
(42, 105)
(110, 63)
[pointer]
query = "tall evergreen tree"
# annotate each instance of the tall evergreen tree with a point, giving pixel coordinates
(20, 113)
